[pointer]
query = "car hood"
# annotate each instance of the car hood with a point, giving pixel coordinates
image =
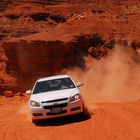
(53, 95)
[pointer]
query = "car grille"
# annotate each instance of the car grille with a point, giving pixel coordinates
(55, 106)
(37, 114)
(57, 100)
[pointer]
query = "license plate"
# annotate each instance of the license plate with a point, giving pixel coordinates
(56, 110)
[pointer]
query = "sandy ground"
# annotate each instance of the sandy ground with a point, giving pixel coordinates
(109, 121)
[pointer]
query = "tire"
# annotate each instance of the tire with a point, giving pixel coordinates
(86, 113)
(36, 122)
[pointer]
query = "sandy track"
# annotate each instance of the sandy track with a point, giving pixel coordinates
(111, 121)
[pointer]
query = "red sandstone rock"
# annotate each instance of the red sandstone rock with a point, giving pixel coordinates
(8, 94)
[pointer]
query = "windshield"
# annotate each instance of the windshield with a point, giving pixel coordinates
(52, 85)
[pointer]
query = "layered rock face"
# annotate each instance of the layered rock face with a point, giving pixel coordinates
(7, 82)
(4, 4)
(43, 37)
(30, 60)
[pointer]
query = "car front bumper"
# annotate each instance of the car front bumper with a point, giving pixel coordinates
(69, 108)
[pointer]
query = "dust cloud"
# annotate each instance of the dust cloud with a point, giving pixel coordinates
(24, 110)
(114, 78)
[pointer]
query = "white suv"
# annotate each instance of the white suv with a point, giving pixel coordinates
(55, 96)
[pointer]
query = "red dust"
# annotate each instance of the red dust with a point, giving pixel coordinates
(115, 78)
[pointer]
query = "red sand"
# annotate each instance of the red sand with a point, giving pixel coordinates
(109, 121)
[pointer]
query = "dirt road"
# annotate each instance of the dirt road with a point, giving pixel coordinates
(109, 121)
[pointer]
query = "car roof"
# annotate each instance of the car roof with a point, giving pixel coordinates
(52, 77)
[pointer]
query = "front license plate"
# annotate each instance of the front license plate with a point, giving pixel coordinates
(56, 110)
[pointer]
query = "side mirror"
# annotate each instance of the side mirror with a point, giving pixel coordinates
(80, 84)
(28, 92)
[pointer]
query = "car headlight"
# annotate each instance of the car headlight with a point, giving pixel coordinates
(34, 103)
(75, 97)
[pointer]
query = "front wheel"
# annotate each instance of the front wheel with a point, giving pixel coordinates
(85, 112)
(36, 122)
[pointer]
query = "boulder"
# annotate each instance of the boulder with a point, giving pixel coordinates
(8, 94)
